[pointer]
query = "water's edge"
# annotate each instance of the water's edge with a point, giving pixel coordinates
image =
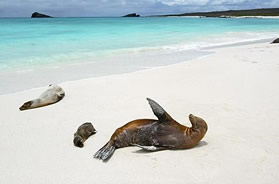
(17, 81)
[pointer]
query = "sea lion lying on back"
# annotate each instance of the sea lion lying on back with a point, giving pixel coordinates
(154, 135)
(52, 95)
(83, 133)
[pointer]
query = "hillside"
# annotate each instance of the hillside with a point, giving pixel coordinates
(252, 12)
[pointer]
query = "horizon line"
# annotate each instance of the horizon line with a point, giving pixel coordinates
(104, 16)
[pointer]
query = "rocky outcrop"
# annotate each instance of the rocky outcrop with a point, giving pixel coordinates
(132, 15)
(275, 41)
(40, 15)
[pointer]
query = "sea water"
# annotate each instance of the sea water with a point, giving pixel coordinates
(114, 45)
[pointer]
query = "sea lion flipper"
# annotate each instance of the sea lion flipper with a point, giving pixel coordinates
(105, 152)
(149, 148)
(158, 111)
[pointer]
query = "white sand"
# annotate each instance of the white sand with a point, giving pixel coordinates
(260, 17)
(235, 90)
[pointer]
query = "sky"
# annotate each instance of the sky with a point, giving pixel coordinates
(89, 8)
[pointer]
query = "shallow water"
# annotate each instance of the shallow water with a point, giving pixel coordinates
(37, 52)
(27, 42)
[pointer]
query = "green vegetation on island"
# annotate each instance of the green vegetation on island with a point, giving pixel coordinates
(233, 13)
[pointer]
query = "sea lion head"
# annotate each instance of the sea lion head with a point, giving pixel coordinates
(26, 105)
(198, 123)
(78, 141)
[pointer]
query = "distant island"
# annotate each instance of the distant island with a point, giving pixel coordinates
(39, 15)
(131, 15)
(232, 13)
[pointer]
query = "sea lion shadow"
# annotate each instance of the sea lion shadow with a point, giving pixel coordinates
(143, 151)
(201, 144)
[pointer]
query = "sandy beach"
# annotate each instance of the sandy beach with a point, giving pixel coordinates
(234, 89)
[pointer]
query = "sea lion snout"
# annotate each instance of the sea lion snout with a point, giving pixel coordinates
(193, 118)
(26, 105)
(197, 122)
(78, 141)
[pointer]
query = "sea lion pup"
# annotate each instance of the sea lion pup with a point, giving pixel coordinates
(154, 135)
(52, 95)
(83, 133)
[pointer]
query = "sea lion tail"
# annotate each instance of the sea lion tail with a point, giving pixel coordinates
(159, 111)
(105, 152)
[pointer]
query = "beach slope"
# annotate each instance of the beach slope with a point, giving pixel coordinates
(235, 90)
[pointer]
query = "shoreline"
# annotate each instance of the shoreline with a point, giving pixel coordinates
(232, 17)
(79, 71)
(234, 90)
(40, 77)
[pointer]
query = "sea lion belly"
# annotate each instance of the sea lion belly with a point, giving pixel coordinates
(135, 132)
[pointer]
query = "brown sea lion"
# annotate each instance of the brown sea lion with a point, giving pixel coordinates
(83, 133)
(154, 135)
(52, 95)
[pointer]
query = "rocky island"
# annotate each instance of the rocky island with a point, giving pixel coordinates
(39, 15)
(132, 15)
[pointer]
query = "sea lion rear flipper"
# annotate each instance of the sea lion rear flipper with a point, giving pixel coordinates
(149, 148)
(158, 111)
(105, 152)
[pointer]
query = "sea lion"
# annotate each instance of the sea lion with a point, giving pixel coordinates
(52, 95)
(154, 135)
(83, 133)
(275, 41)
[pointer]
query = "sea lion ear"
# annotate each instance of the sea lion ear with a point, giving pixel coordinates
(158, 111)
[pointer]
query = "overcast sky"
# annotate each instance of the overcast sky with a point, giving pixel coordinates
(76, 8)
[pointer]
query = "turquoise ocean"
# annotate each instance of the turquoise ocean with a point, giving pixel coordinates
(27, 44)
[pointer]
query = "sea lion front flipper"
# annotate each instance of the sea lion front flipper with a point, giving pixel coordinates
(158, 111)
(149, 148)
